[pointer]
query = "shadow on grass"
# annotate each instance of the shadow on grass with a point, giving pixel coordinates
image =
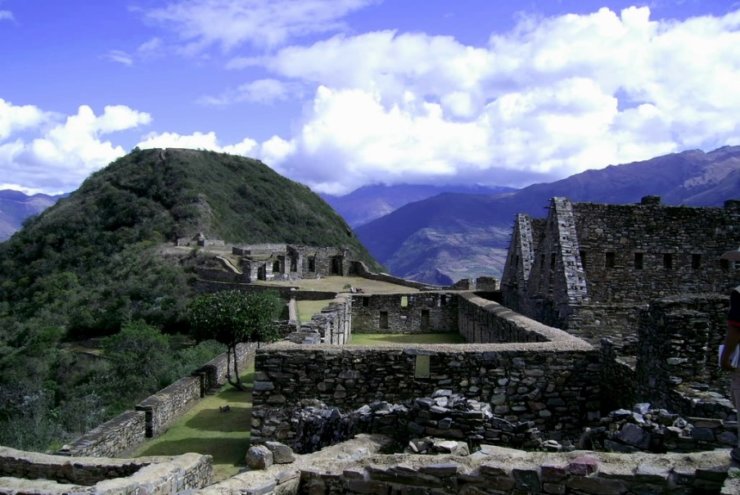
(237, 419)
(224, 450)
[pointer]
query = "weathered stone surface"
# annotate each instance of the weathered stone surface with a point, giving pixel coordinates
(259, 457)
(281, 453)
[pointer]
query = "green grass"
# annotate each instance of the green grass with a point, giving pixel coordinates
(306, 309)
(206, 430)
(406, 338)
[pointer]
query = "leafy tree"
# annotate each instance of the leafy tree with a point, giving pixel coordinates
(140, 358)
(231, 317)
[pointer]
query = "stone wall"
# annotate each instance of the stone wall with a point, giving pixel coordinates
(333, 325)
(110, 438)
(553, 382)
(425, 312)
(31, 472)
(358, 467)
(594, 265)
(618, 379)
(680, 249)
(679, 339)
(169, 403)
(486, 322)
(511, 472)
(154, 414)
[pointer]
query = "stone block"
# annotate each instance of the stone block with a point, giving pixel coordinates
(441, 470)
(281, 453)
(597, 486)
(259, 457)
(583, 465)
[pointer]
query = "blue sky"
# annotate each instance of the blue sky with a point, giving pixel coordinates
(342, 93)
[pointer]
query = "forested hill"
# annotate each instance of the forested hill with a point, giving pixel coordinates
(89, 262)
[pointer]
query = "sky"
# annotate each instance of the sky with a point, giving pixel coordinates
(338, 94)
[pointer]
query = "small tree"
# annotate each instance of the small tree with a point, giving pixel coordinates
(231, 317)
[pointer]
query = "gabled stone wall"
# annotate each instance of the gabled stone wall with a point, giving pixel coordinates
(596, 265)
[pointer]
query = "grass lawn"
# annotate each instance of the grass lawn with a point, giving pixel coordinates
(338, 284)
(206, 430)
(306, 309)
(406, 338)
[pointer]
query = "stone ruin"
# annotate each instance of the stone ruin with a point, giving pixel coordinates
(512, 410)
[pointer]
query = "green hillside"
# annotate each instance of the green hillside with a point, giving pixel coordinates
(91, 259)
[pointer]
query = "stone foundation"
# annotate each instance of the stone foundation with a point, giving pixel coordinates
(34, 473)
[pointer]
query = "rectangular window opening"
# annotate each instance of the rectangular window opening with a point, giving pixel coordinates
(610, 260)
(365, 302)
(552, 261)
(638, 261)
(582, 254)
(384, 320)
(696, 261)
(667, 261)
(425, 319)
(312, 264)
(404, 301)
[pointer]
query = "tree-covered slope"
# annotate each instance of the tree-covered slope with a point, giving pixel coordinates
(90, 262)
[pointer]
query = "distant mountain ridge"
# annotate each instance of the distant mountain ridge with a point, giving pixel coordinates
(370, 202)
(16, 206)
(460, 236)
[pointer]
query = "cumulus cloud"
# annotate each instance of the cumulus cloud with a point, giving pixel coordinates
(197, 140)
(14, 118)
(261, 23)
(263, 91)
(553, 97)
(47, 152)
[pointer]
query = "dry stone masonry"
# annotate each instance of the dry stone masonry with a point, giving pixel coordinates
(591, 267)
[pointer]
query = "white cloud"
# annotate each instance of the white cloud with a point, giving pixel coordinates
(53, 154)
(15, 118)
(259, 91)
(119, 56)
(262, 23)
(197, 140)
(553, 97)
(6, 15)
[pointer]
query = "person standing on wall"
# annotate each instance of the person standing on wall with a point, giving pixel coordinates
(731, 343)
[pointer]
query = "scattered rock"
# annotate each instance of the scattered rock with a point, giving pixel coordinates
(281, 453)
(259, 457)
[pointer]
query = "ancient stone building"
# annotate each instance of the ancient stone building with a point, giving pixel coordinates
(589, 268)
(287, 261)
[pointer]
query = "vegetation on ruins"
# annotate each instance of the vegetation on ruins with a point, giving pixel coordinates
(232, 317)
(53, 391)
(92, 264)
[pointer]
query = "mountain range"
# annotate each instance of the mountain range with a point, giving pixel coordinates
(370, 202)
(442, 233)
(15, 207)
(452, 236)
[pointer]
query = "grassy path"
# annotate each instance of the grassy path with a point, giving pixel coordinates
(206, 430)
